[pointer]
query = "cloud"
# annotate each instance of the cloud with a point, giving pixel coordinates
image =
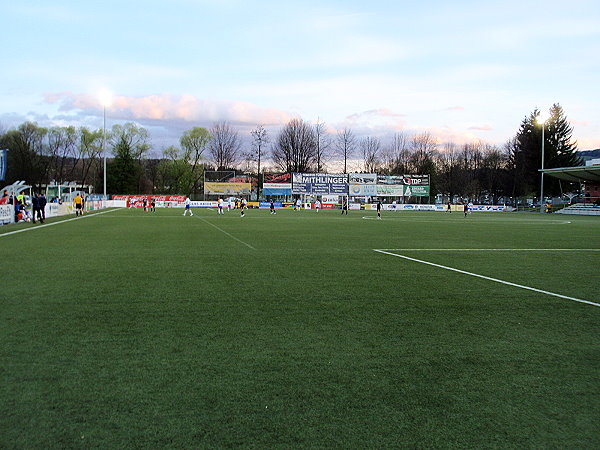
(374, 113)
(166, 107)
(484, 127)
(455, 108)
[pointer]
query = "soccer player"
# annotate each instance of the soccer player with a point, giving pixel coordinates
(273, 207)
(466, 209)
(220, 203)
(187, 207)
(344, 206)
(379, 209)
(317, 205)
(242, 207)
(449, 207)
(153, 208)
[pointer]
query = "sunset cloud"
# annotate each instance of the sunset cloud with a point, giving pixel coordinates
(166, 107)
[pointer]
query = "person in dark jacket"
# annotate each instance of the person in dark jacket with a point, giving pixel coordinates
(35, 204)
(43, 202)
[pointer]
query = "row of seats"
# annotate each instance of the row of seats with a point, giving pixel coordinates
(584, 209)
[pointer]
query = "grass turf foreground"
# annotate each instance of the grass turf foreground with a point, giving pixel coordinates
(133, 329)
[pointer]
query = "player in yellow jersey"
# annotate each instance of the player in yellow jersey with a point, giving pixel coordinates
(78, 202)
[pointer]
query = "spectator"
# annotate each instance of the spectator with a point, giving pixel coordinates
(35, 204)
(43, 206)
(4, 199)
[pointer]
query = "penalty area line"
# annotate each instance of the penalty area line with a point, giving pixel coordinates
(496, 280)
(225, 232)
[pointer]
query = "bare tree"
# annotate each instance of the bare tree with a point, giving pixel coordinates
(345, 144)
(295, 148)
(260, 138)
(396, 157)
(224, 146)
(449, 178)
(90, 148)
(424, 147)
(322, 142)
(493, 171)
(370, 148)
(61, 150)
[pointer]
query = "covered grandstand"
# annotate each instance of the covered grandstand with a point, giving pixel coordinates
(589, 176)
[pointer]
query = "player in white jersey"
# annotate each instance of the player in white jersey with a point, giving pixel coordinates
(220, 203)
(317, 205)
(187, 204)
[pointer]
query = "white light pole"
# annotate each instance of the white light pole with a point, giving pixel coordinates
(541, 119)
(105, 99)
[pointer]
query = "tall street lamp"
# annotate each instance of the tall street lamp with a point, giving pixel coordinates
(541, 120)
(105, 99)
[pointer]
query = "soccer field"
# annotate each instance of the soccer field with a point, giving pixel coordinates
(301, 329)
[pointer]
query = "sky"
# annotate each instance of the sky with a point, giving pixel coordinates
(463, 71)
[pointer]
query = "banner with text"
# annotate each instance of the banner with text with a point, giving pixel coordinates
(277, 183)
(362, 184)
(320, 183)
(416, 191)
(7, 214)
(215, 188)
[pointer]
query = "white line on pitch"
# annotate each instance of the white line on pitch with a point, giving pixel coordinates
(55, 223)
(489, 278)
(492, 249)
(223, 231)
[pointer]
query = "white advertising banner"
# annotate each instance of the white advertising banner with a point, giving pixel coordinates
(332, 199)
(7, 214)
(390, 190)
(362, 190)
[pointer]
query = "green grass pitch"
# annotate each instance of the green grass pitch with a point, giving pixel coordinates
(133, 329)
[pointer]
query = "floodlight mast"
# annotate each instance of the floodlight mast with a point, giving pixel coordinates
(105, 99)
(541, 119)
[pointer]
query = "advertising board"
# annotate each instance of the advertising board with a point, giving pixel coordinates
(7, 214)
(218, 188)
(390, 190)
(362, 190)
(277, 183)
(416, 191)
(362, 178)
(320, 183)
(415, 180)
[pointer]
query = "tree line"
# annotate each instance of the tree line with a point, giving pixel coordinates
(475, 171)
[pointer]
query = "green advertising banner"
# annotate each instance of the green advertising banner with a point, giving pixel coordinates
(416, 191)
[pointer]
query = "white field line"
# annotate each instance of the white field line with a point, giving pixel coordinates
(496, 280)
(225, 232)
(491, 249)
(56, 223)
(504, 220)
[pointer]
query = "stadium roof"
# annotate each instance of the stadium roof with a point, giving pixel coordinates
(583, 174)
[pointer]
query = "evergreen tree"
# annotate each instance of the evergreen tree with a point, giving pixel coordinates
(526, 154)
(130, 144)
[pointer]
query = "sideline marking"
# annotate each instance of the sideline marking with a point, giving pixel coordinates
(223, 231)
(56, 223)
(491, 249)
(489, 278)
(502, 221)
